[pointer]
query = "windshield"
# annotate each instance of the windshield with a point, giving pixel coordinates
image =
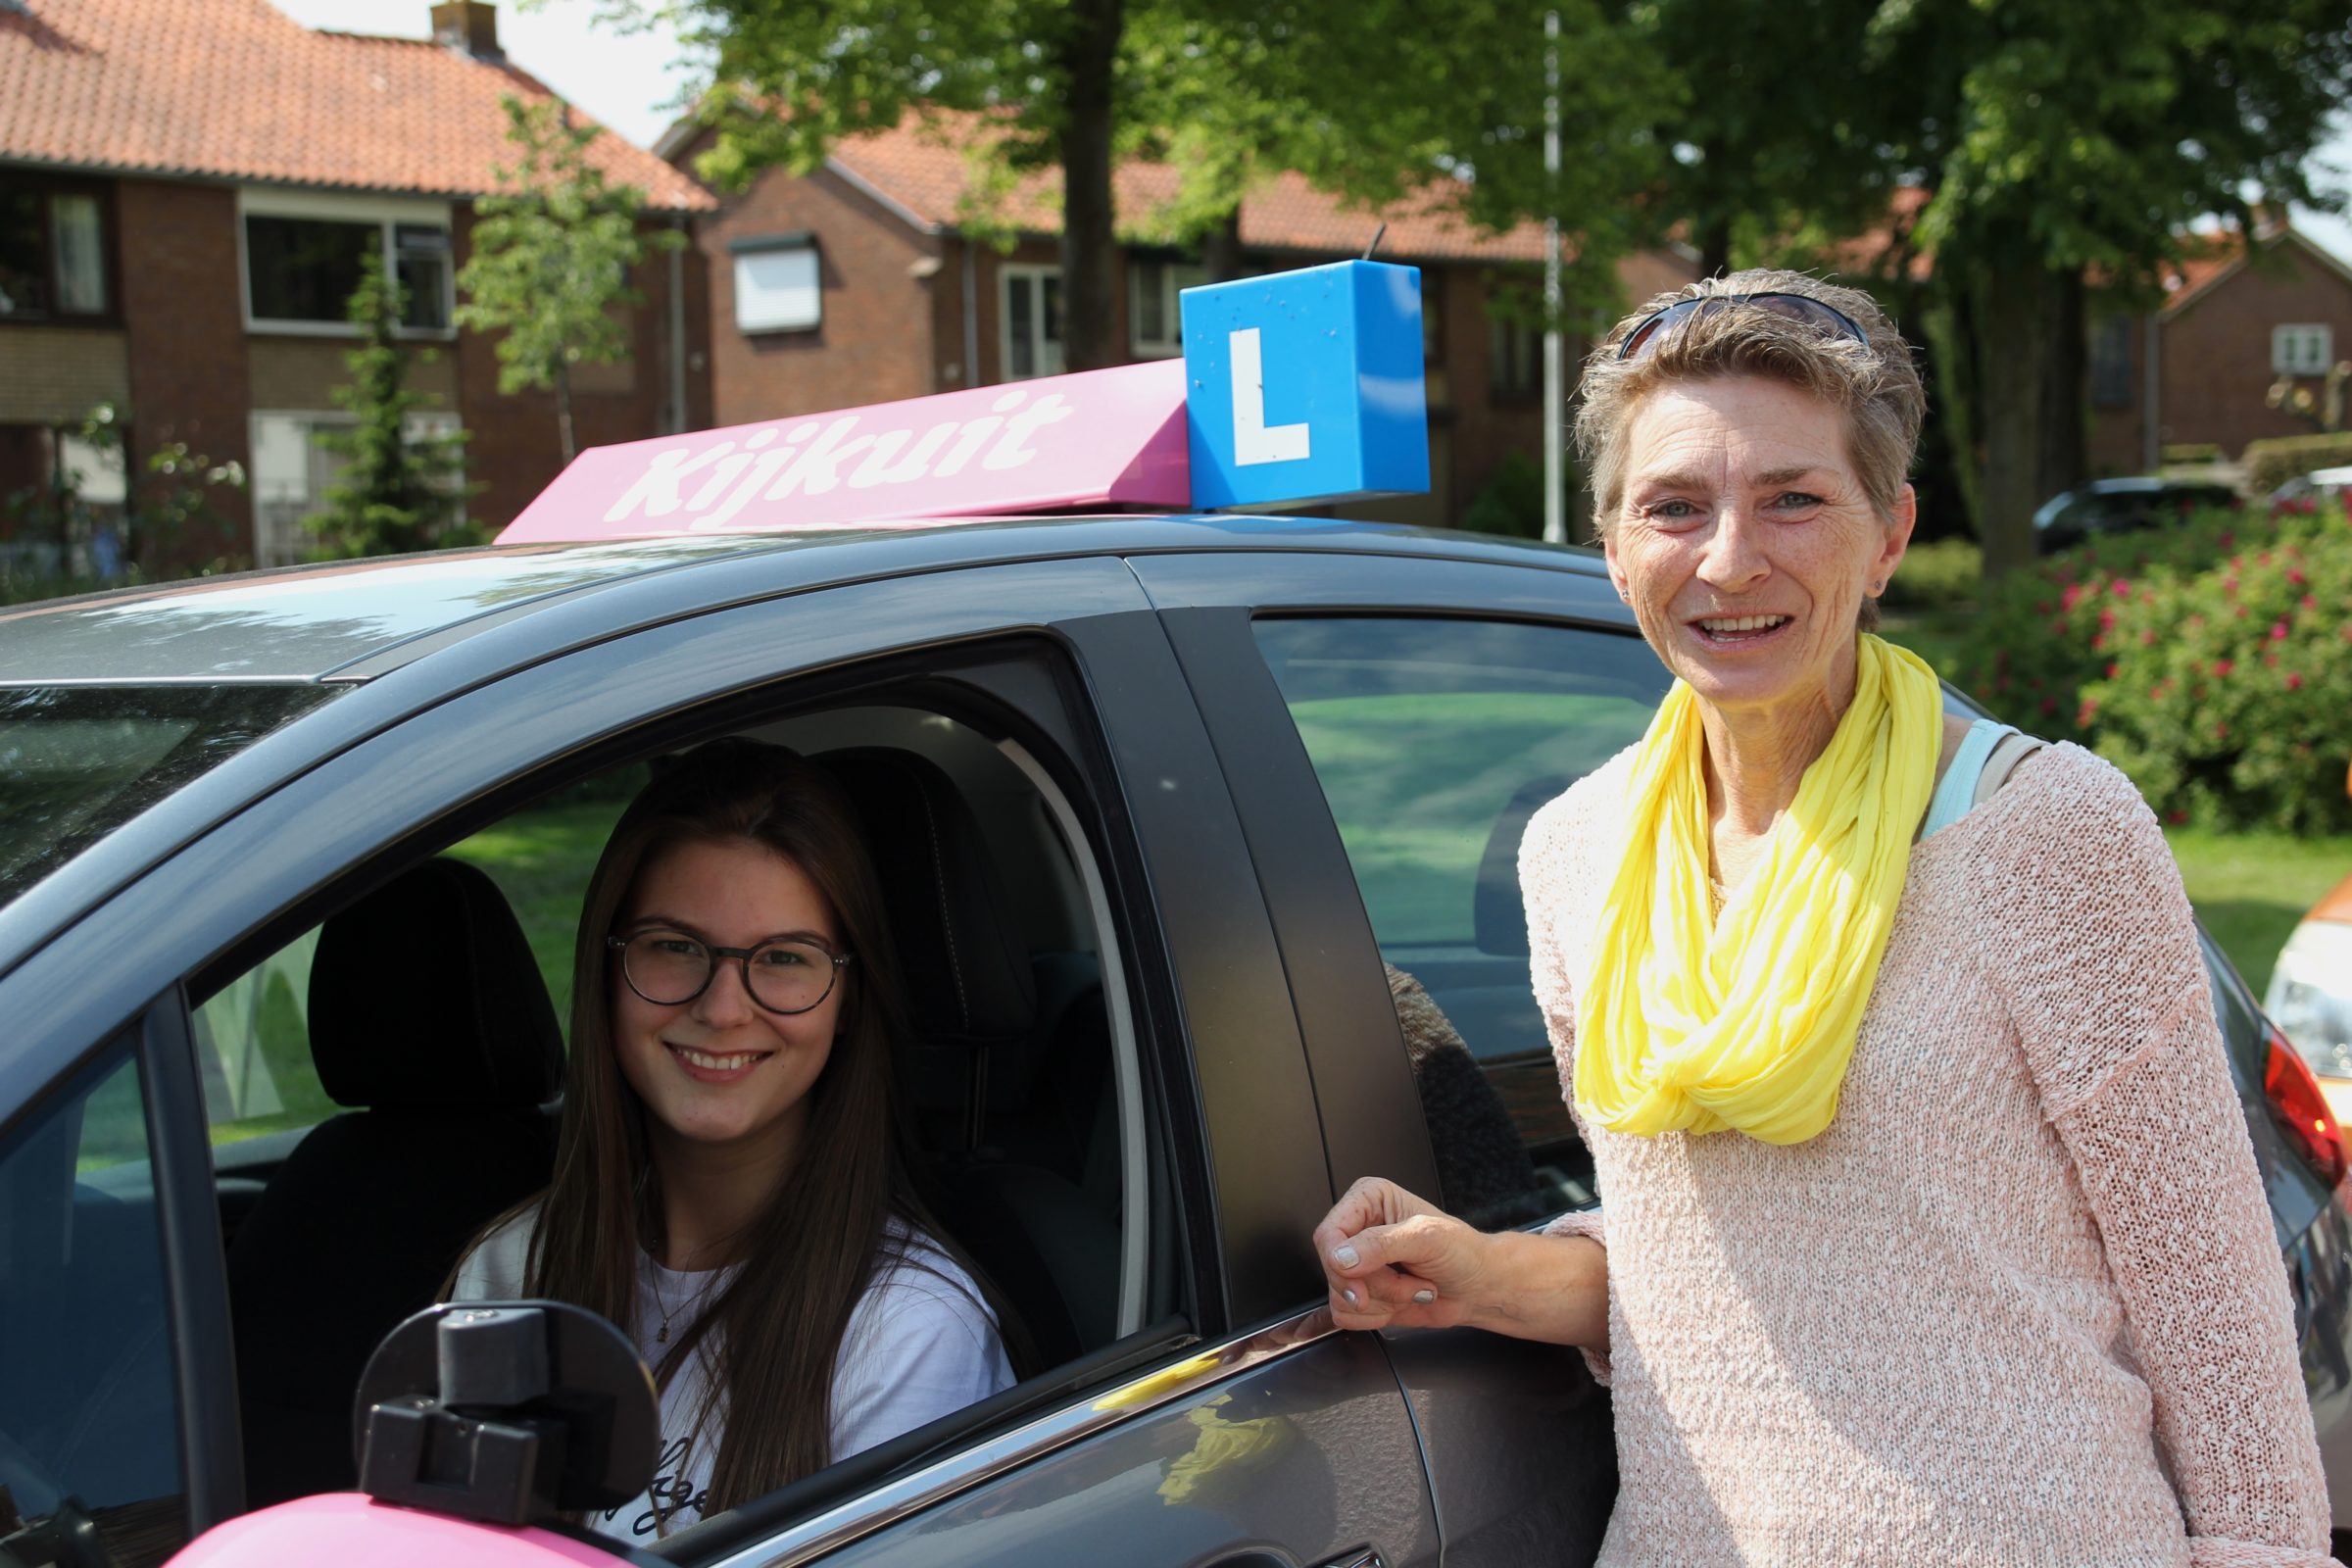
(78, 761)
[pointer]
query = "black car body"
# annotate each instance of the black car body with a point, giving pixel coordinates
(1231, 775)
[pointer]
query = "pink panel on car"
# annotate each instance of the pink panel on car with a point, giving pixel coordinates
(1096, 438)
(349, 1530)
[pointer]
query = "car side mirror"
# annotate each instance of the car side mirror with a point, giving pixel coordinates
(507, 1412)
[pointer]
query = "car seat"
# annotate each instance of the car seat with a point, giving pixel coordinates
(979, 1046)
(429, 1021)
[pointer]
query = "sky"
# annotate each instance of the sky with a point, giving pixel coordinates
(631, 82)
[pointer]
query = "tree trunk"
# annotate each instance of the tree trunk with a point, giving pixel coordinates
(2009, 307)
(564, 411)
(2065, 459)
(1089, 338)
(1221, 249)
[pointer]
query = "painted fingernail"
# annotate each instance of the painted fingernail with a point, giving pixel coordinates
(1348, 1296)
(1345, 1255)
(1424, 1297)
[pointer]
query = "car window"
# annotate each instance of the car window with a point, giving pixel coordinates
(88, 1412)
(1434, 741)
(253, 1035)
(78, 763)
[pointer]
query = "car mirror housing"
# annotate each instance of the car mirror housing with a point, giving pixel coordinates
(505, 1412)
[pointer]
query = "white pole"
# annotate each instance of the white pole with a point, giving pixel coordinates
(1555, 508)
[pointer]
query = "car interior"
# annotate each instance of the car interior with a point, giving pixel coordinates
(1022, 1076)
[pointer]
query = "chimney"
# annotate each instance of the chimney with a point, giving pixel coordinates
(470, 27)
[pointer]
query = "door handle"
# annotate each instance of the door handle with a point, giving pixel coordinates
(1368, 1558)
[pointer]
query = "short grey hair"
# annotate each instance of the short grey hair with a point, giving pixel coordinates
(1875, 381)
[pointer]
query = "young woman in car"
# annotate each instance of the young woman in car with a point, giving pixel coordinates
(732, 1185)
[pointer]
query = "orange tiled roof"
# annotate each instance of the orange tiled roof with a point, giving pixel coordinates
(235, 89)
(921, 166)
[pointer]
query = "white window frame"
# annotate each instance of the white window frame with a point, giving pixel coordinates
(1171, 279)
(2291, 343)
(1045, 352)
(750, 251)
(386, 213)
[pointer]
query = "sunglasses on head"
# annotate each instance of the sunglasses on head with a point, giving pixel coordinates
(1795, 307)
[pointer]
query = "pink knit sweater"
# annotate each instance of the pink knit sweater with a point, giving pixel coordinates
(2021, 1302)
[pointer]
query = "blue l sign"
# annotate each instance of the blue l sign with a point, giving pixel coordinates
(1306, 386)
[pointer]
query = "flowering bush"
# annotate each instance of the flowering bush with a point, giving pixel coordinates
(2042, 633)
(2227, 694)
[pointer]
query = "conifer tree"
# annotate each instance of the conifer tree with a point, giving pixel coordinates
(399, 490)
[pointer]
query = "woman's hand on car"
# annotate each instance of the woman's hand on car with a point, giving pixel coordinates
(1395, 1260)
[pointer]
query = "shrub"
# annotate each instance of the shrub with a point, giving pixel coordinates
(2228, 697)
(2270, 463)
(2040, 634)
(2190, 452)
(1944, 571)
(1512, 501)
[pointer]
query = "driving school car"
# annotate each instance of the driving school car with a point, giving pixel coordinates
(1173, 806)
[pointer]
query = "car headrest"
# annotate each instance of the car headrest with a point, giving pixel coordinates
(425, 997)
(1497, 913)
(967, 973)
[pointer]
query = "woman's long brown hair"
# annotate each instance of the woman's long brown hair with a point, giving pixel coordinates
(808, 1258)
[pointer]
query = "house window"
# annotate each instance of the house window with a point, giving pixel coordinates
(779, 287)
(1156, 327)
(301, 270)
(52, 253)
(2111, 363)
(1030, 308)
(2302, 348)
(292, 472)
(1514, 361)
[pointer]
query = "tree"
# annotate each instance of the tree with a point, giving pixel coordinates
(1372, 100)
(398, 490)
(552, 254)
(2060, 143)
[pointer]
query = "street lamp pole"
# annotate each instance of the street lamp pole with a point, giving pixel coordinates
(1555, 505)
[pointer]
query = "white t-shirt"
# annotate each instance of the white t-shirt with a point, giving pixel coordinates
(920, 1344)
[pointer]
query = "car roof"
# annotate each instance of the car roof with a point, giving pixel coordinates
(351, 621)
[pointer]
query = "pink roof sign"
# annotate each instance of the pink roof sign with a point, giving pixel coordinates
(1098, 438)
(1302, 386)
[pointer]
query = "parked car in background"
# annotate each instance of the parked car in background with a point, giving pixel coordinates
(2311, 987)
(2320, 484)
(2125, 505)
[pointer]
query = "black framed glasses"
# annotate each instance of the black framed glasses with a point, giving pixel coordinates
(669, 968)
(1804, 307)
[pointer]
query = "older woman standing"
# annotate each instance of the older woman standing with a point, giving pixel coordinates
(1933, 1229)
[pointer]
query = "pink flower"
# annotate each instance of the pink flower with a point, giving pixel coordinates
(2049, 705)
(2111, 669)
(2106, 620)
(2294, 574)
(2222, 668)
(2088, 711)
(2228, 540)
(2220, 732)
(2294, 682)
(2122, 587)
(2278, 632)
(2309, 602)
(2071, 597)
(2176, 815)
(2147, 638)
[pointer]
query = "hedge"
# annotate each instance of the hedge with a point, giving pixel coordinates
(2272, 463)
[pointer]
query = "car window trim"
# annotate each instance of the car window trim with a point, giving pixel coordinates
(936, 1483)
(195, 1268)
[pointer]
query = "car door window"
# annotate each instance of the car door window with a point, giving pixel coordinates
(88, 1408)
(1434, 741)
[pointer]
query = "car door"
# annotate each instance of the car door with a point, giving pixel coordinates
(1238, 1430)
(1388, 727)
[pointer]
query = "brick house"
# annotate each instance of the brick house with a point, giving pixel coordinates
(187, 191)
(2197, 369)
(856, 284)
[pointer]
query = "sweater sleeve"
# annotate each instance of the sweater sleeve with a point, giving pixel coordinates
(1545, 869)
(2099, 963)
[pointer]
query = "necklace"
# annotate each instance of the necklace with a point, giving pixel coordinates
(662, 1335)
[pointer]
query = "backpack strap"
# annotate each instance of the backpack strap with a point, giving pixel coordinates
(2013, 749)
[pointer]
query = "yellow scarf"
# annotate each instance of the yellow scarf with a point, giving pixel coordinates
(1750, 1024)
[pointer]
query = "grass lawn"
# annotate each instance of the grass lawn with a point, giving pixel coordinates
(2251, 888)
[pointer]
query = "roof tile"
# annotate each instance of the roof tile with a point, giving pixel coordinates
(236, 89)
